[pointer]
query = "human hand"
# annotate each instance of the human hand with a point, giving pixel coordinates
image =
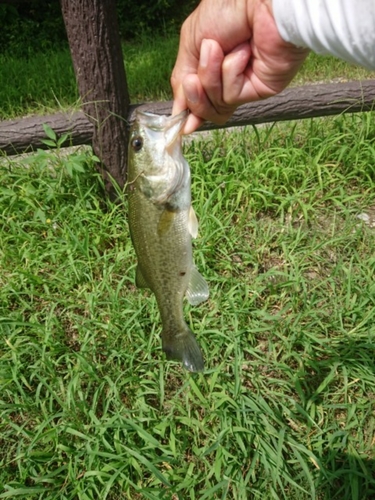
(230, 53)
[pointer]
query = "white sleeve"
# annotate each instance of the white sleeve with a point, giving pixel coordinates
(342, 28)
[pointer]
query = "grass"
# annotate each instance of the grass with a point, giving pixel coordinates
(90, 408)
(319, 69)
(45, 83)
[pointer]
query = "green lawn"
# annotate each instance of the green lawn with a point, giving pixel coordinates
(90, 409)
(45, 82)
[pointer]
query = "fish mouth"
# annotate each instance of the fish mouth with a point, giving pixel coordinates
(163, 135)
(171, 125)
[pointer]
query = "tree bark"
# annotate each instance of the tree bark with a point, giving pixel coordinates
(95, 47)
(295, 103)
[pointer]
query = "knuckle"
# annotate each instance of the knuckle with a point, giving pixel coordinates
(225, 108)
(173, 80)
(230, 101)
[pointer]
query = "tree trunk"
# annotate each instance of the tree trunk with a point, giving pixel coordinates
(310, 101)
(95, 46)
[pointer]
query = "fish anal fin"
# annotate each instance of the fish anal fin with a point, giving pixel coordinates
(197, 290)
(139, 279)
(192, 223)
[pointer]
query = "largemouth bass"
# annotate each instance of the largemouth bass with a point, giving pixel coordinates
(162, 223)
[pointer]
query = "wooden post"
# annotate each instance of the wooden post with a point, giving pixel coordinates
(95, 47)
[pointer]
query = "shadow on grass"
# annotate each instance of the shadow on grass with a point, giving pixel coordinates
(349, 477)
(341, 382)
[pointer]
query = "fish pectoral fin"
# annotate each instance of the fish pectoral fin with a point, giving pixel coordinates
(139, 279)
(197, 290)
(192, 223)
(165, 221)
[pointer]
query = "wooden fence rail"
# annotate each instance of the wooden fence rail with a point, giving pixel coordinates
(26, 134)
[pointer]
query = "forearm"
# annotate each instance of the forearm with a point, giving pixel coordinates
(343, 28)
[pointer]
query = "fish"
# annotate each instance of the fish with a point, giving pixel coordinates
(162, 223)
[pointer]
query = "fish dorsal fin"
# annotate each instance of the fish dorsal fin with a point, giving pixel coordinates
(165, 221)
(192, 223)
(139, 279)
(197, 290)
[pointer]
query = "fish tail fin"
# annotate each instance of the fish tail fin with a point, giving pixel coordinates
(182, 346)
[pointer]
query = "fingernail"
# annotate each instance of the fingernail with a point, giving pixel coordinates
(205, 53)
(191, 93)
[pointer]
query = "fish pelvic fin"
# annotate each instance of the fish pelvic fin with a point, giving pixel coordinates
(165, 221)
(140, 281)
(182, 346)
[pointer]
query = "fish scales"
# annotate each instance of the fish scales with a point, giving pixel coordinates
(162, 223)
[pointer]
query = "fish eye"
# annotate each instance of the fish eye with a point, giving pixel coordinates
(137, 144)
